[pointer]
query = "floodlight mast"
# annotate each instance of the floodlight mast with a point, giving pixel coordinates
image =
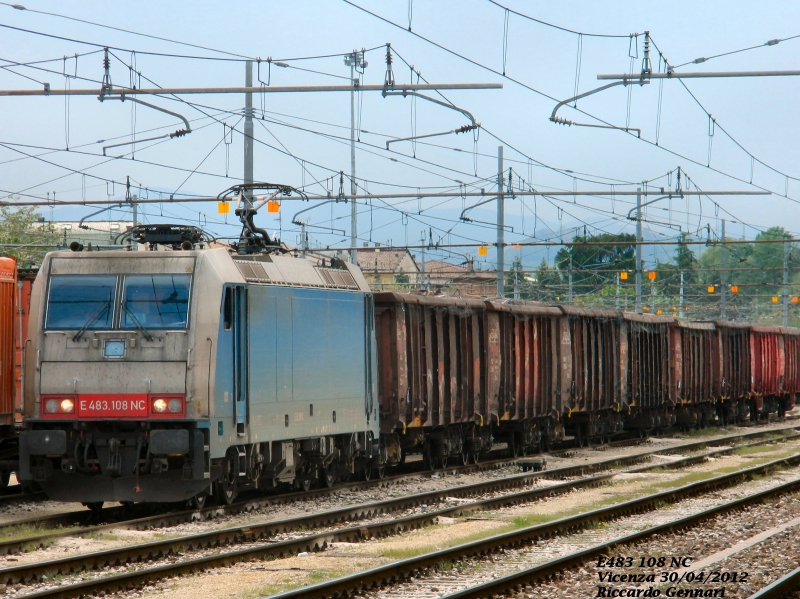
(357, 64)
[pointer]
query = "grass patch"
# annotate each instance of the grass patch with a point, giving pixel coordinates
(23, 531)
(745, 451)
(304, 578)
(525, 521)
(272, 589)
(165, 535)
(444, 566)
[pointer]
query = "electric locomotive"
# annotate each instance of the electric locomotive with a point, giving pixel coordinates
(172, 375)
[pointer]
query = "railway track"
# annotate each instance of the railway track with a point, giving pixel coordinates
(398, 572)
(780, 588)
(85, 522)
(169, 516)
(254, 534)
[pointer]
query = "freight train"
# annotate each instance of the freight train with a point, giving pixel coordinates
(189, 372)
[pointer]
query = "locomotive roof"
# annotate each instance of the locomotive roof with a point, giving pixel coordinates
(270, 269)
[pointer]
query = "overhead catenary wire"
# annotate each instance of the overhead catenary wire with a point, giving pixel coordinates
(553, 26)
(235, 57)
(545, 95)
(768, 44)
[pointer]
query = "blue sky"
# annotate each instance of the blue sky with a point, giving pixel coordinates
(758, 113)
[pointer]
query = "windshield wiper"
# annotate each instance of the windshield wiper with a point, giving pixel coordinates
(89, 323)
(137, 323)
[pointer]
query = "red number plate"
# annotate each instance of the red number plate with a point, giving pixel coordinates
(112, 406)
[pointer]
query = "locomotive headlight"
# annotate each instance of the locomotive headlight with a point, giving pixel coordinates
(175, 405)
(159, 405)
(51, 406)
(67, 405)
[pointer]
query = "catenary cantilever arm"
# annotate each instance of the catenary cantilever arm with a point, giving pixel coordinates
(305, 224)
(469, 220)
(466, 113)
(178, 133)
(561, 121)
(650, 202)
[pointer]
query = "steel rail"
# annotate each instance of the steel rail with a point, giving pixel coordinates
(544, 571)
(780, 588)
(19, 497)
(375, 578)
(258, 532)
(85, 520)
(171, 518)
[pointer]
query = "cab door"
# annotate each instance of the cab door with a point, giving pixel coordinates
(241, 362)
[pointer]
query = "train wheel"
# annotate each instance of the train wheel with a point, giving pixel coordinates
(95, 506)
(366, 473)
(580, 439)
(463, 456)
(475, 457)
(328, 477)
(198, 502)
(226, 488)
(379, 471)
(442, 462)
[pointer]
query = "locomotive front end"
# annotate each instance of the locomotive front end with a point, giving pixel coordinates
(109, 411)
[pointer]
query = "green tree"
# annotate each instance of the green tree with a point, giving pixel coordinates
(595, 266)
(669, 273)
(21, 232)
(547, 284)
(516, 275)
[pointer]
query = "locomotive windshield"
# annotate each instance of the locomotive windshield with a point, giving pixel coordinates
(155, 301)
(81, 302)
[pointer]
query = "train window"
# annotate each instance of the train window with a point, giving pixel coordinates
(81, 302)
(155, 301)
(227, 309)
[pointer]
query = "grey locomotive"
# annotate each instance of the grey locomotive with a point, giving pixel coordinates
(174, 375)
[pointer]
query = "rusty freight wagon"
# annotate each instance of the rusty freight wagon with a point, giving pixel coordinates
(431, 385)
(734, 356)
(791, 378)
(644, 345)
(767, 365)
(529, 372)
(457, 374)
(695, 372)
(597, 372)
